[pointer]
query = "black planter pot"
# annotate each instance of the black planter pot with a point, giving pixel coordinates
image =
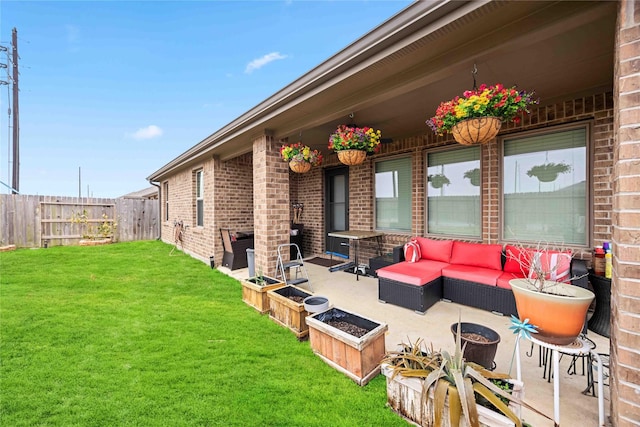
(478, 352)
(335, 314)
(290, 291)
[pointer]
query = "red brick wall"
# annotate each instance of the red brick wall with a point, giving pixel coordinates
(308, 189)
(271, 205)
(232, 197)
(625, 339)
(597, 108)
(228, 202)
(235, 198)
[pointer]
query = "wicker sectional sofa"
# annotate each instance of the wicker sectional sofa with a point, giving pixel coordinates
(472, 274)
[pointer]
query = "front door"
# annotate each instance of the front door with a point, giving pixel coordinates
(337, 209)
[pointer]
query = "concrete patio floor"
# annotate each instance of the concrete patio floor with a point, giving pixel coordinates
(361, 297)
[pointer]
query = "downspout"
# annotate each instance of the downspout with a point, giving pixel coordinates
(159, 209)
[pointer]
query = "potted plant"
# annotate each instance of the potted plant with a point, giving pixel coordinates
(479, 343)
(548, 172)
(436, 388)
(348, 342)
(300, 157)
(477, 115)
(352, 143)
(545, 296)
(254, 291)
(473, 175)
(438, 180)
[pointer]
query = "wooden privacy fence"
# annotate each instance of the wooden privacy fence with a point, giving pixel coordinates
(33, 221)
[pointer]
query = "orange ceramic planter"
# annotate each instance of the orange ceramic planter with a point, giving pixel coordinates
(559, 313)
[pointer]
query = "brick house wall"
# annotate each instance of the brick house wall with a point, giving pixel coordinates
(271, 203)
(235, 194)
(625, 307)
(228, 203)
(597, 108)
(182, 208)
(308, 189)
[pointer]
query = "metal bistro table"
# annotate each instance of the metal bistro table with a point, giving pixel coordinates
(356, 236)
(579, 347)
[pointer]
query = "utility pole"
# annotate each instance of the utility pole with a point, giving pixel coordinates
(6, 82)
(16, 120)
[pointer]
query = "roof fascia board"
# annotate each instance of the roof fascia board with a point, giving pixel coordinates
(407, 26)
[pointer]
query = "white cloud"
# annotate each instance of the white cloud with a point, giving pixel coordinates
(149, 132)
(261, 62)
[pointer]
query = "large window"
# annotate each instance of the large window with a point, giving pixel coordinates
(545, 187)
(453, 192)
(393, 194)
(199, 199)
(166, 201)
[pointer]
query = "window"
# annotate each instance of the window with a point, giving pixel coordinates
(166, 200)
(453, 192)
(199, 199)
(545, 187)
(393, 194)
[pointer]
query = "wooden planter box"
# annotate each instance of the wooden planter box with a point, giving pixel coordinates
(404, 395)
(358, 358)
(255, 295)
(287, 312)
(95, 242)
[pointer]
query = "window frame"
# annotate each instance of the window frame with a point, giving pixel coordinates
(165, 188)
(375, 214)
(481, 219)
(588, 125)
(199, 196)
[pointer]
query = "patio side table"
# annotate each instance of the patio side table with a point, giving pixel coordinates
(379, 262)
(600, 321)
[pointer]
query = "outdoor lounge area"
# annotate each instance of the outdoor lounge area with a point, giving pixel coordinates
(562, 170)
(404, 326)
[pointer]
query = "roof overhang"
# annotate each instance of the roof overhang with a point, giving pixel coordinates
(394, 77)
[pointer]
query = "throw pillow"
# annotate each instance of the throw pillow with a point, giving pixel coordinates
(412, 251)
(518, 259)
(555, 264)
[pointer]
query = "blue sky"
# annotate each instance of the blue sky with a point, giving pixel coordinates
(119, 88)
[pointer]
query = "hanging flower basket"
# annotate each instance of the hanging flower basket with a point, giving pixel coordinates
(476, 131)
(476, 116)
(300, 166)
(352, 157)
(352, 143)
(300, 157)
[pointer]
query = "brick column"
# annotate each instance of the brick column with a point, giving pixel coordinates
(270, 202)
(625, 338)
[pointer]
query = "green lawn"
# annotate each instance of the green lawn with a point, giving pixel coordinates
(125, 334)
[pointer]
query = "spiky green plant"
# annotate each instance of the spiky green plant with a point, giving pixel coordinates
(454, 381)
(460, 382)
